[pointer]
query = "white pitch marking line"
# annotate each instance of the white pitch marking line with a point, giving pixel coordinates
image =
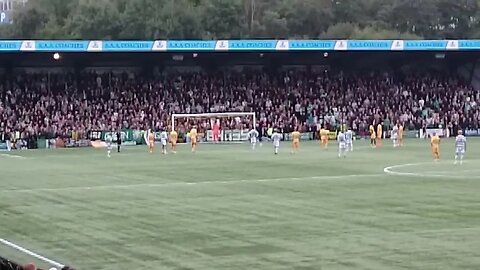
(391, 171)
(12, 156)
(31, 253)
(152, 185)
(447, 173)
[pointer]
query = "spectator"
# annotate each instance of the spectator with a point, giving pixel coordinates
(66, 106)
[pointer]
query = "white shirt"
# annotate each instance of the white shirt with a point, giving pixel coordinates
(253, 133)
(394, 131)
(341, 137)
(276, 137)
(109, 140)
(460, 142)
(163, 136)
(349, 136)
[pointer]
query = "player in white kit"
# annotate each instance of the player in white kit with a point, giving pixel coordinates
(276, 137)
(460, 147)
(164, 140)
(395, 136)
(253, 135)
(349, 140)
(9, 145)
(109, 145)
(342, 145)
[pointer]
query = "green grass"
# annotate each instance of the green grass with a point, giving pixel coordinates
(227, 207)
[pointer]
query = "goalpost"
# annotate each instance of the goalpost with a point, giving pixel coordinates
(177, 116)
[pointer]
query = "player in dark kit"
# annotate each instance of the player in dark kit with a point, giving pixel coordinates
(119, 141)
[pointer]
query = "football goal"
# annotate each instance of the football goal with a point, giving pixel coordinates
(234, 126)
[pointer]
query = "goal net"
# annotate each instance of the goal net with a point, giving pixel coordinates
(234, 126)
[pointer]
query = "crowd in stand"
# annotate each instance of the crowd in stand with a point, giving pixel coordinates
(69, 106)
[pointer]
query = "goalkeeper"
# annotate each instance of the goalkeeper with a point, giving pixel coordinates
(216, 131)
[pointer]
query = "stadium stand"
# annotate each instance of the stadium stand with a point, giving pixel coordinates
(69, 107)
(69, 101)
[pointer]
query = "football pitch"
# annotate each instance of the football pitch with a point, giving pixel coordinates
(228, 207)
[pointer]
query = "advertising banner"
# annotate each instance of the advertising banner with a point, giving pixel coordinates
(95, 135)
(64, 46)
(128, 136)
(411, 134)
(421, 45)
(127, 46)
(332, 135)
(472, 132)
(438, 131)
(305, 136)
(5, 17)
(234, 135)
(75, 143)
(307, 45)
(232, 45)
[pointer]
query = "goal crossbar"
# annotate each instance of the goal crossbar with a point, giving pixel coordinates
(221, 114)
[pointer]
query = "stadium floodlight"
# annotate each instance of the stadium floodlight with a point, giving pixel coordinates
(234, 134)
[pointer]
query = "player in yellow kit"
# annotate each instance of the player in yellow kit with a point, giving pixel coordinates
(296, 141)
(435, 143)
(379, 135)
(151, 141)
(324, 137)
(173, 140)
(373, 135)
(193, 138)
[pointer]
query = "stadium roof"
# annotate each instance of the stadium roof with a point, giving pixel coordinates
(234, 45)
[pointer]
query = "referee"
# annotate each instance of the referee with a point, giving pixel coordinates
(119, 140)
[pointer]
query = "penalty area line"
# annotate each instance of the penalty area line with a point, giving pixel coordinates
(173, 184)
(31, 253)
